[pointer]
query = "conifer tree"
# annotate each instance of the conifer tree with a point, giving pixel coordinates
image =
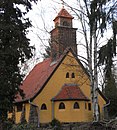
(14, 49)
(111, 94)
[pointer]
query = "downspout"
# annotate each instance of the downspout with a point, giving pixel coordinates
(37, 111)
(106, 105)
(53, 110)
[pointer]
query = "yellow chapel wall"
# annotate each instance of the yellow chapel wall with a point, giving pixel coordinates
(18, 114)
(54, 85)
(101, 102)
(56, 82)
(69, 114)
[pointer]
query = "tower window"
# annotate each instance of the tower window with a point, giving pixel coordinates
(43, 106)
(73, 75)
(61, 105)
(65, 23)
(76, 105)
(67, 75)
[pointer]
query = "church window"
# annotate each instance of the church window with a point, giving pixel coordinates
(76, 105)
(67, 75)
(43, 106)
(61, 105)
(89, 106)
(73, 75)
(19, 107)
(65, 23)
(85, 105)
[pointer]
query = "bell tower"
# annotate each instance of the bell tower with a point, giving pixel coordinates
(63, 35)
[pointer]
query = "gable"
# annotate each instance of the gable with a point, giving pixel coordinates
(42, 73)
(36, 78)
(73, 65)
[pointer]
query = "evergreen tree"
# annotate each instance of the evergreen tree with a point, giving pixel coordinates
(106, 54)
(111, 94)
(14, 49)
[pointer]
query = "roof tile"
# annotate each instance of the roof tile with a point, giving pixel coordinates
(36, 79)
(70, 92)
(63, 13)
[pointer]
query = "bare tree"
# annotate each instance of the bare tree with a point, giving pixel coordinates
(94, 17)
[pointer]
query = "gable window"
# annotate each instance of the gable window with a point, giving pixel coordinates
(61, 105)
(73, 75)
(19, 107)
(76, 105)
(43, 106)
(67, 75)
(89, 106)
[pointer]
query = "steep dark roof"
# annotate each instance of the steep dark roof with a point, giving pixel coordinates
(103, 96)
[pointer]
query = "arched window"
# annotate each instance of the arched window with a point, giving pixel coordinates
(61, 105)
(76, 105)
(43, 106)
(67, 75)
(73, 75)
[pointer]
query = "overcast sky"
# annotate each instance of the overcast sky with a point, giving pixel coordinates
(42, 16)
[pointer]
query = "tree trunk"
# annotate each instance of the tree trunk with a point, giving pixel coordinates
(95, 80)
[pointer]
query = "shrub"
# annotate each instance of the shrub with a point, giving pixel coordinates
(56, 124)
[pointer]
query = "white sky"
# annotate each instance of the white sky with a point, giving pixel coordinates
(42, 16)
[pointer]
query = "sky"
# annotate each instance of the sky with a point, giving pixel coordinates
(42, 16)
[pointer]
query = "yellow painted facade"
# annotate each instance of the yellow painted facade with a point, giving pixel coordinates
(69, 114)
(54, 85)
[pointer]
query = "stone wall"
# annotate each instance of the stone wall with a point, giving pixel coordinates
(33, 116)
(76, 126)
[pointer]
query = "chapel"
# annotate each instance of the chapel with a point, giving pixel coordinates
(59, 86)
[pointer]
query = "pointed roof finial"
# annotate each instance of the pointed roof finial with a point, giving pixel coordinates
(63, 13)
